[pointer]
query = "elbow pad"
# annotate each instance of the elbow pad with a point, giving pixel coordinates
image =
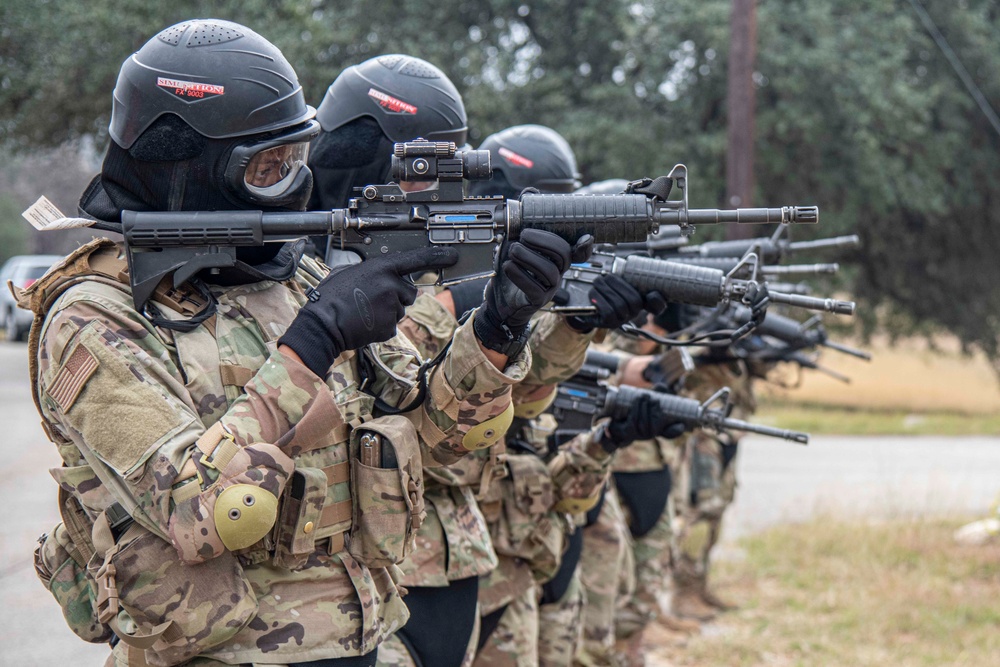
(488, 433)
(531, 409)
(236, 510)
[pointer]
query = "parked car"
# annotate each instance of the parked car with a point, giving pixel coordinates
(22, 270)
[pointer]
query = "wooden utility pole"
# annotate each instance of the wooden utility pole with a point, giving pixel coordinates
(741, 105)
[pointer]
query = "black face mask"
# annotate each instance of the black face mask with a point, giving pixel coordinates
(350, 156)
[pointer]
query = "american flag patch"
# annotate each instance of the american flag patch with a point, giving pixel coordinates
(74, 374)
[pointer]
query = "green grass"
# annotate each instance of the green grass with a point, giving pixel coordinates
(817, 419)
(840, 593)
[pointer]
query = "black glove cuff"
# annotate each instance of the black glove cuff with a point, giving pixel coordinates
(497, 336)
(310, 339)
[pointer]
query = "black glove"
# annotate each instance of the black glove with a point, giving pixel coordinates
(528, 273)
(645, 420)
(359, 304)
(617, 302)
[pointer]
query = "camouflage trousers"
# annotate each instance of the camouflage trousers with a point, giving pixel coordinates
(560, 626)
(607, 576)
(652, 556)
(514, 642)
(708, 488)
(530, 634)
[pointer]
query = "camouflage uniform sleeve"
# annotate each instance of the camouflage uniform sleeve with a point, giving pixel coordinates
(557, 353)
(428, 325)
(109, 385)
(464, 391)
(579, 471)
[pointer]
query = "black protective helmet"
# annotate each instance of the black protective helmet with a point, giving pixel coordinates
(221, 78)
(612, 186)
(207, 115)
(528, 156)
(366, 110)
(408, 97)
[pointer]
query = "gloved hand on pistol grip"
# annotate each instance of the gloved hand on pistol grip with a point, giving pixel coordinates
(359, 304)
(617, 303)
(528, 273)
(645, 420)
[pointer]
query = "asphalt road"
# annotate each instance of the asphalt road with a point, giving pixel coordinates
(868, 477)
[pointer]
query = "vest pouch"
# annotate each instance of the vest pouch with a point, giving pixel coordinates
(301, 512)
(387, 491)
(175, 611)
(62, 571)
(527, 528)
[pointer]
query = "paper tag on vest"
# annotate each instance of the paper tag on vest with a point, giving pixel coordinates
(45, 216)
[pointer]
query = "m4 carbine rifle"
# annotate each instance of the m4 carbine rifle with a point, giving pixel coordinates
(794, 334)
(677, 283)
(387, 220)
(586, 397)
(770, 250)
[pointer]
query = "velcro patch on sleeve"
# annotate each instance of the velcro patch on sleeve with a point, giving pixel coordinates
(72, 377)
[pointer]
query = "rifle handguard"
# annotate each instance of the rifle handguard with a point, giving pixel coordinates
(608, 218)
(683, 283)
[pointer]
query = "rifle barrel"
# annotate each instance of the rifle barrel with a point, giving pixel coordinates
(814, 303)
(791, 288)
(850, 241)
(740, 425)
(753, 216)
(799, 269)
(846, 349)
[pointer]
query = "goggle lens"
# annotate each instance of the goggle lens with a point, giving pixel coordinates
(272, 171)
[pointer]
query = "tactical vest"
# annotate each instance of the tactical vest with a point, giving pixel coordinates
(320, 509)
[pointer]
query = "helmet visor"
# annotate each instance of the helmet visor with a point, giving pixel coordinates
(270, 172)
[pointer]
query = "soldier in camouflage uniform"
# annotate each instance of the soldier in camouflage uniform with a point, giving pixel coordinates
(626, 569)
(606, 574)
(459, 539)
(228, 437)
(452, 544)
(707, 486)
(634, 532)
(651, 539)
(529, 510)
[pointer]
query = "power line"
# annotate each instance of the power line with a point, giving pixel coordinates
(956, 64)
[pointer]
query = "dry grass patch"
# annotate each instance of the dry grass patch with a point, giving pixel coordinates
(838, 593)
(832, 420)
(909, 376)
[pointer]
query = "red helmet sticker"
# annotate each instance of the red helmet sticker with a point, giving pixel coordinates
(515, 159)
(190, 88)
(390, 103)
